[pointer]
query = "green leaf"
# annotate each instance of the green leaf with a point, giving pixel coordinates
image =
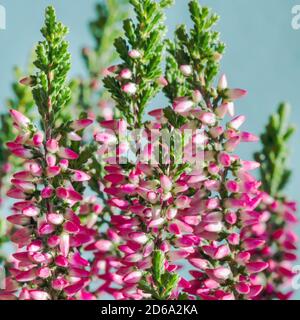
(158, 265)
(274, 154)
(171, 284)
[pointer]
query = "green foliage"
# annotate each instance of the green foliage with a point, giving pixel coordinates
(50, 91)
(175, 119)
(177, 84)
(158, 265)
(273, 157)
(4, 137)
(104, 29)
(200, 48)
(144, 34)
(164, 282)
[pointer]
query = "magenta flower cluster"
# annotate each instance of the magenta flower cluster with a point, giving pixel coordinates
(159, 228)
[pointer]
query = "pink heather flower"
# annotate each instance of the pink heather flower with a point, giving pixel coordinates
(64, 164)
(64, 244)
(113, 69)
(30, 211)
(52, 146)
(207, 118)
(249, 137)
(51, 160)
(62, 193)
(256, 267)
(16, 193)
(53, 241)
(104, 245)
(209, 217)
(20, 119)
(53, 171)
(157, 113)
(19, 220)
(47, 193)
(22, 237)
(22, 153)
(232, 186)
(126, 74)
(80, 176)
(81, 124)
(223, 83)
(44, 273)
(35, 169)
(68, 154)
(73, 136)
(224, 159)
(251, 244)
(162, 81)
(55, 218)
(38, 139)
(186, 70)
(234, 94)
(45, 229)
(134, 54)
(130, 88)
(197, 96)
(71, 227)
(232, 144)
(183, 105)
(166, 183)
(39, 295)
(219, 274)
(26, 186)
(133, 277)
(237, 122)
(231, 218)
(27, 81)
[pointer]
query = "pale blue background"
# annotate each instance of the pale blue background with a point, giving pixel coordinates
(262, 56)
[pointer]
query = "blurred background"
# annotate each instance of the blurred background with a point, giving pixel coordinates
(262, 55)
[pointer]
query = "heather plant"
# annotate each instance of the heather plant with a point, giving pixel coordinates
(170, 211)
(278, 214)
(48, 264)
(158, 207)
(226, 194)
(93, 99)
(135, 188)
(87, 95)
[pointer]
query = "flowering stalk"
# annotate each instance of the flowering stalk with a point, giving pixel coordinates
(48, 264)
(22, 101)
(93, 99)
(96, 102)
(225, 195)
(139, 76)
(140, 192)
(106, 26)
(278, 214)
